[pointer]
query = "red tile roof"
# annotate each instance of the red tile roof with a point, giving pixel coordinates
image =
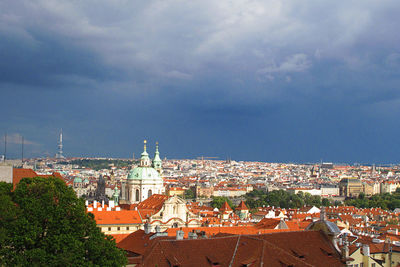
(309, 248)
(19, 174)
(242, 206)
(231, 230)
(154, 202)
(267, 223)
(225, 207)
(116, 217)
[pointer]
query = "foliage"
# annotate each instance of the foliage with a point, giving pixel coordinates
(283, 199)
(385, 201)
(99, 164)
(217, 202)
(189, 194)
(43, 223)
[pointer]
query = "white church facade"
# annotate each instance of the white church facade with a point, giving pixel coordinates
(144, 180)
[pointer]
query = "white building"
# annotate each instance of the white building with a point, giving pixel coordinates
(143, 181)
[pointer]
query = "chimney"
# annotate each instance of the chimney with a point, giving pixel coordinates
(102, 204)
(95, 204)
(179, 235)
(158, 229)
(365, 249)
(87, 203)
(147, 228)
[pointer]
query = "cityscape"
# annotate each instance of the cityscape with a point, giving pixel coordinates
(199, 133)
(144, 201)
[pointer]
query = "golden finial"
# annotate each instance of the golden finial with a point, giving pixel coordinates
(145, 141)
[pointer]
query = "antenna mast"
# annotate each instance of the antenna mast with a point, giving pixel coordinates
(5, 146)
(59, 154)
(22, 154)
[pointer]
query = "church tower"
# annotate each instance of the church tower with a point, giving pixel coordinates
(145, 160)
(157, 162)
(143, 181)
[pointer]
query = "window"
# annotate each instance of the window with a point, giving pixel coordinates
(137, 195)
(119, 228)
(109, 228)
(373, 265)
(150, 193)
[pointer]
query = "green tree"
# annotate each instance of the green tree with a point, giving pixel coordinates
(326, 202)
(217, 202)
(189, 194)
(47, 225)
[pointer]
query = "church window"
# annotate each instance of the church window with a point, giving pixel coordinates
(150, 193)
(175, 225)
(137, 195)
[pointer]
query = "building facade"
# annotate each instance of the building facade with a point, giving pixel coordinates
(144, 180)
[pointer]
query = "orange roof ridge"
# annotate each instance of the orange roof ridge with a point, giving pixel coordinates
(242, 206)
(225, 207)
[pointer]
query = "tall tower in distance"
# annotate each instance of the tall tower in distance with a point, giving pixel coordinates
(59, 154)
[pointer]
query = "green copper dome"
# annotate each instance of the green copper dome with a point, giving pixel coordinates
(143, 173)
(77, 180)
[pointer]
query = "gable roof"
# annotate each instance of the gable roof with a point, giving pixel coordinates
(280, 249)
(154, 202)
(225, 207)
(242, 206)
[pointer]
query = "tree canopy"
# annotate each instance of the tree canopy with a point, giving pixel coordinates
(43, 223)
(217, 202)
(385, 201)
(283, 199)
(189, 194)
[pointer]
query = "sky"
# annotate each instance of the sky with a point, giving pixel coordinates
(269, 80)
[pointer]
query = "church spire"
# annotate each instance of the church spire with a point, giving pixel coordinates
(145, 160)
(157, 162)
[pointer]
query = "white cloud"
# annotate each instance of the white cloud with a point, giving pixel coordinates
(178, 75)
(294, 63)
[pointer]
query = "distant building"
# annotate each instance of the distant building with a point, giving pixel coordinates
(329, 191)
(389, 186)
(312, 191)
(176, 191)
(204, 191)
(371, 188)
(350, 187)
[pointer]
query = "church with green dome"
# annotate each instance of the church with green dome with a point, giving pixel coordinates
(144, 180)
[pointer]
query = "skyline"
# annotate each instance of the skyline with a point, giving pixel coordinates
(249, 80)
(20, 144)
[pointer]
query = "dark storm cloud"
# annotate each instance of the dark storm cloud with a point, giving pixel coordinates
(268, 80)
